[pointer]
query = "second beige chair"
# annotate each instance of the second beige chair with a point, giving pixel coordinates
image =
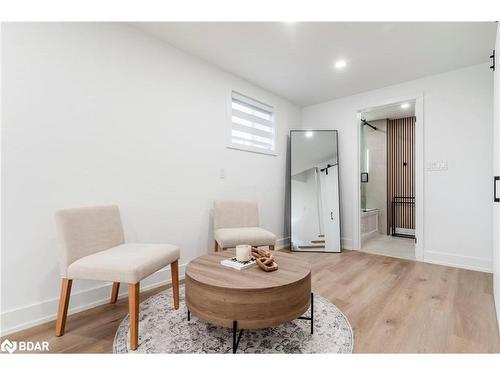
(93, 248)
(237, 223)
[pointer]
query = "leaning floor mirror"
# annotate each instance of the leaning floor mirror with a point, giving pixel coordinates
(314, 191)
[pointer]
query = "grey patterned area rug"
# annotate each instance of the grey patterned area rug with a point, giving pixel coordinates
(162, 329)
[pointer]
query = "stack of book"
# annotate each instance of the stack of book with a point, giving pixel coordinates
(237, 265)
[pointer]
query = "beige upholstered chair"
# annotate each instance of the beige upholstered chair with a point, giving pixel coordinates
(237, 223)
(93, 248)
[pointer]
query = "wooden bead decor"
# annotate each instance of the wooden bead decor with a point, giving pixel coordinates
(264, 259)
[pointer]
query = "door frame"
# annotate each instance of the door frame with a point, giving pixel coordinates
(419, 170)
(496, 171)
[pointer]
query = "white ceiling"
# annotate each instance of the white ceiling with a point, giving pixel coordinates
(295, 60)
(392, 111)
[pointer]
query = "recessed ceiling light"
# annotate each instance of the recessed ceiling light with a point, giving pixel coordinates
(405, 105)
(309, 134)
(340, 64)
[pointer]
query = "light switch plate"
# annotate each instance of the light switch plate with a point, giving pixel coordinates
(437, 166)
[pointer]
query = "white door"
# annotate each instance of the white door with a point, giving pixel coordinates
(331, 212)
(496, 172)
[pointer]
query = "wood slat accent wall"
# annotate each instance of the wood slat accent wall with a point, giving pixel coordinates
(401, 170)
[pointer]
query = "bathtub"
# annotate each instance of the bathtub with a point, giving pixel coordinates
(369, 223)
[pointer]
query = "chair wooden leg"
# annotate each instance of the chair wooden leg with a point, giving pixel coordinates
(174, 267)
(133, 311)
(114, 292)
(271, 247)
(62, 311)
(216, 246)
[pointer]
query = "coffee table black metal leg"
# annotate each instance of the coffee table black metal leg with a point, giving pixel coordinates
(312, 313)
(236, 340)
(237, 336)
(189, 315)
(311, 318)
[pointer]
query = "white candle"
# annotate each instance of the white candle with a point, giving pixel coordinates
(243, 253)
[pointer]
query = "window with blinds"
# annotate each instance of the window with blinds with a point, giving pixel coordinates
(252, 125)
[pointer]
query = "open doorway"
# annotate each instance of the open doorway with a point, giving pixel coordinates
(388, 180)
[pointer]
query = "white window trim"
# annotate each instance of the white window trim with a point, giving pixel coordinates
(231, 145)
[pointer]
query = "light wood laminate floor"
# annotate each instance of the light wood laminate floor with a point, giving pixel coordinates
(394, 306)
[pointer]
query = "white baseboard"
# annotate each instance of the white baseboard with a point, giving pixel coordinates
(459, 261)
(368, 235)
(283, 243)
(32, 315)
(346, 243)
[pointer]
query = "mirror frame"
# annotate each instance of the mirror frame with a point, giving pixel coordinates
(290, 189)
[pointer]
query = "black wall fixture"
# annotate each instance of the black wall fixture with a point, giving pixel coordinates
(495, 180)
(492, 57)
(364, 122)
(326, 168)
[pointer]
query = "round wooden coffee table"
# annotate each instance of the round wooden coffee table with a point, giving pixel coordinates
(250, 298)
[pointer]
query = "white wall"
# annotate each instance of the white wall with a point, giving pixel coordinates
(458, 109)
(103, 113)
